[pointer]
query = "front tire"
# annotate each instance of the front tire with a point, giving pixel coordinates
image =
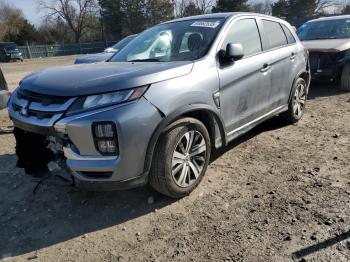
(181, 158)
(297, 103)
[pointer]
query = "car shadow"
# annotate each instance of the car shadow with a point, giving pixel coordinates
(269, 125)
(324, 90)
(58, 212)
(320, 246)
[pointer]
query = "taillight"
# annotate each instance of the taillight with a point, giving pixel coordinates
(105, 138)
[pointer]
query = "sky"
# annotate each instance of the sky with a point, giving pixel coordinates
(31, 11)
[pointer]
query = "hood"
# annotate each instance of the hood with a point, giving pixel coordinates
(101, 57)
(327, 45)
(88, 79)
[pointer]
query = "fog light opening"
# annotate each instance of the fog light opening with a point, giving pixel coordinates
(105, 137)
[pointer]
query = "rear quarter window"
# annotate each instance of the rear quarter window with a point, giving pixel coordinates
(289, 35)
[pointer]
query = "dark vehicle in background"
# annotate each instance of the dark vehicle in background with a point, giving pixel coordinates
(328, 41)
(10, 52)
(4, 93)
(107, 54)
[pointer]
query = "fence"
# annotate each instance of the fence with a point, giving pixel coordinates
(37, 51)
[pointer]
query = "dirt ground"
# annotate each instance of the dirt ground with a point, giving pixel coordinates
(279, 193)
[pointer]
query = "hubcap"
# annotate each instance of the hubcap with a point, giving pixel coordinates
(189, 158)
(299, 100)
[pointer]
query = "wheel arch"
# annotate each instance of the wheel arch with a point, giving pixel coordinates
(304, 74)
(204, 113)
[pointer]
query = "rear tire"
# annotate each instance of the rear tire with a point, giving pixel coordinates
(297, 102)
(181, 158)
(345, 78)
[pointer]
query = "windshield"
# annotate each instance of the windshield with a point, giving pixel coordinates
(177, 41)
(327, 29)
(122, 43)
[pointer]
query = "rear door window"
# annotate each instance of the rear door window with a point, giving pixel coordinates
(275, 34)
(246, 33)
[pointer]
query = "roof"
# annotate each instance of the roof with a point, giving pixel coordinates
(330, 18)
(218, 16)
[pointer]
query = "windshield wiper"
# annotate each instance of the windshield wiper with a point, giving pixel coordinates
(145, 60)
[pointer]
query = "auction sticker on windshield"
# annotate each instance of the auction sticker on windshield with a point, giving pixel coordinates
(206, 24)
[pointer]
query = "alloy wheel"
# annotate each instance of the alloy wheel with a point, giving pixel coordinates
(299, 100)
(189, 158)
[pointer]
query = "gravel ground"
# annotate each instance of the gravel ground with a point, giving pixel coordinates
(279, 193)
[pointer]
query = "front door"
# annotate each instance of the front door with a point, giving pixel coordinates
(244, 84)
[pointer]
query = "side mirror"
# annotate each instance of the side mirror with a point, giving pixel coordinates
(234, 51)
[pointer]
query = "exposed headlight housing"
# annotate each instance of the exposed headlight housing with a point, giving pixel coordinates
(106, 99)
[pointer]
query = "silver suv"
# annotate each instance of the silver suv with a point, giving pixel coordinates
(158, 108)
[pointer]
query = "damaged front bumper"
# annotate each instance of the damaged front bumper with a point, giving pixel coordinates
(45, 134)
(327, 66)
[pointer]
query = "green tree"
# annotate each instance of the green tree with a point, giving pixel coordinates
(298, 11)
(134, 18)
(230, 6)
(301, 10)
(27, 34)
(112, 17)
(280, 9)
(124, 17)
(158, 11)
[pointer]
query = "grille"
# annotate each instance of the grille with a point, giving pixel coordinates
(320, 60)
(29, 104)
(39, 98)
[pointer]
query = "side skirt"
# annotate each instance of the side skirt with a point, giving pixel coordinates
(249, 126)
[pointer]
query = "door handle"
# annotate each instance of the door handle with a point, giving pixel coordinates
(292, 56)
(265, 68)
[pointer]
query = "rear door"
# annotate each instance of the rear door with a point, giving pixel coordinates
(244, 84)
(283, 55)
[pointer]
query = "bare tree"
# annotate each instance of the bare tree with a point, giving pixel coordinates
(321, 5)
(204, 5)
(262, 7)
(180, 7)
(74, 12)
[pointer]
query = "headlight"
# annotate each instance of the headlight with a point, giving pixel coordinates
(106, 99)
